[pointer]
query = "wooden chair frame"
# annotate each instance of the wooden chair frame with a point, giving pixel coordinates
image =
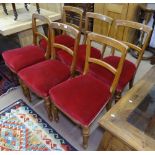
(110, 42)
(37, 34)
(103, 18)
(140, 50)
(137, 26)
(53, 45)
(70, 30)
(77, 11)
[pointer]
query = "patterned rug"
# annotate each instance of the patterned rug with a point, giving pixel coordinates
(6, 81)
(21, 128)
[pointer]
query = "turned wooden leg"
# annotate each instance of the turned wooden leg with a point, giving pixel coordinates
(85, 132)
(55, 113)
(14, 11)
(38, 8)
(117, 96)
(131, 83)
(26, 7)
(4, 8)
(26, 90)
(21, 84)
(48, 108)
(108, 106)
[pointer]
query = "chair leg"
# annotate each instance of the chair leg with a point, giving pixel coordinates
(48, 108)
(26, 90)
(21, 84)
(55, 113)
(131, 83)
(85, 132)
(117, 96)
(108, 106)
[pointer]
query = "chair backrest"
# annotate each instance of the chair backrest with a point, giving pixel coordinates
(121, 47)
(96, 16)
(77, 12)
(37, 34)
(71, 31)
(135, 26)
(101, 17)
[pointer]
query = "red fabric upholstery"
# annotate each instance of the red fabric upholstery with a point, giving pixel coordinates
(61, 39)
(43, 44)
(81, 98)
(67, 59)
(43, 76)
(17, 59)
(104, 75)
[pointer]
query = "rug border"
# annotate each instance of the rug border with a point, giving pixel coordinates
(31, 108)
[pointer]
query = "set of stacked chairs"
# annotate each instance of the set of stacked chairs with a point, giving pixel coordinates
(77, 79)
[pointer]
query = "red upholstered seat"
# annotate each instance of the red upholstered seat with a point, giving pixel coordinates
(61, 39)
(82, 98)
(127, 72)
(81, 54)
(17, 59)
(43, 76)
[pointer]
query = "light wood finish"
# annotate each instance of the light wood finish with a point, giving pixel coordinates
(71, 31)
(122, 48)
(128, 11)
(111, 143)
(97, 17)
(109, 42)
(139, 50)
(116, 121)
(37, 35)
(22, 26)
(75, 10)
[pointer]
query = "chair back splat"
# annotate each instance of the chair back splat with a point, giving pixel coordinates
(96, 53)
(57, 47)
(63, 38)
(72, 10)
(139, 49)
(83, 98)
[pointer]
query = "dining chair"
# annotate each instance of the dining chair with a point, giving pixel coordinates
(63, 38)
(19, 58)
(83, 98)
(40, 77)
(130, 67)
(96, 53)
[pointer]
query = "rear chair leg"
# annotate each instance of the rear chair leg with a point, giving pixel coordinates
(118, 96)
(85, 132)
(25, 89)
(55, 113)
(48, 108)
(131, 83)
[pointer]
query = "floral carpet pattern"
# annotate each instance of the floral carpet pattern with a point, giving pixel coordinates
(6, 81)
(22, 129)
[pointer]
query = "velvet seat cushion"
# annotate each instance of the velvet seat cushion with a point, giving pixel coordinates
(19, 58)
(61, 39)
(44, 75)
(81, 54)
(107, 77)
(81, 98)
